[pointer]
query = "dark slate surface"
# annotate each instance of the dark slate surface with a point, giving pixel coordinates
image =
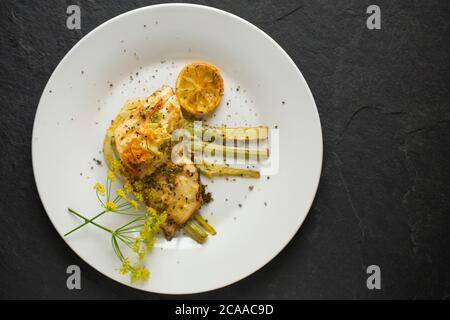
(383, 97)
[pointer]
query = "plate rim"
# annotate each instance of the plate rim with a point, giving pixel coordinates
(250, 25)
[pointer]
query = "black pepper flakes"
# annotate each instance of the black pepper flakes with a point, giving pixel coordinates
(98, 162)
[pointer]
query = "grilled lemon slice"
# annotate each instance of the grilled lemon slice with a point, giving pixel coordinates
(199, 88)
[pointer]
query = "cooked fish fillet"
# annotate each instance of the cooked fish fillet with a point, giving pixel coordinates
(140, 137)
(142, 131)
(175, 189)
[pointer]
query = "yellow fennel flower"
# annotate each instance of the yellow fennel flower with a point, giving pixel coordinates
(136, 245)
(133, 203)
(111, 176)
(144, 273)
(142, 253)
(151, 211)
(126, 266)
(121, 193)
(115, 165)
(138, 185)
(160, 219)
(138, 196)
(110, 205)
(128, 188)
(150, 242)
(139, 273)
(152, 223)
(147, 234)
(99, 188)
(152, 194)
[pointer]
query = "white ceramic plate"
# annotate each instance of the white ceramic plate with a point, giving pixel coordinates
(132, 55)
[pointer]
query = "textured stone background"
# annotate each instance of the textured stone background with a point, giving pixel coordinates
(383, 98)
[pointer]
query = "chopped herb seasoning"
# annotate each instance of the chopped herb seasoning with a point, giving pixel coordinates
(206, 196)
